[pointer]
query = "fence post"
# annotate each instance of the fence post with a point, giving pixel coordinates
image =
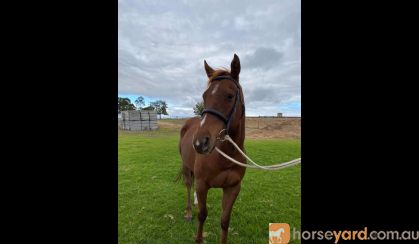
(141, 121)
(149, 125)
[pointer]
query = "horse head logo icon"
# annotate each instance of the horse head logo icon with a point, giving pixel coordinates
(279, 233)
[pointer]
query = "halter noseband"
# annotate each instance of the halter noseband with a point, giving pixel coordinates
(227, 120)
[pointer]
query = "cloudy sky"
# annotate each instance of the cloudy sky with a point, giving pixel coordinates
(162, 46)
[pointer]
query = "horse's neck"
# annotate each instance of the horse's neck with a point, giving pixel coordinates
(238, 134)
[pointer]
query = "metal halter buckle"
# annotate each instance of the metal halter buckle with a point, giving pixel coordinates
(220, 137)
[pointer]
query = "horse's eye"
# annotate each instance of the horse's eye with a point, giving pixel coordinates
(230, 97)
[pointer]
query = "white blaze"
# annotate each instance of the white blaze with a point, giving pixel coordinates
(215, 89)
(203, 121)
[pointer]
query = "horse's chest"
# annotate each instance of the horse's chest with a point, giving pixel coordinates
(225, 178)
(218, 172)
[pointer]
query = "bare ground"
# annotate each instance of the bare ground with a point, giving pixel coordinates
(256, 128)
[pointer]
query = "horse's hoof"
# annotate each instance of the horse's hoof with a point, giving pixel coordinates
(188, 218)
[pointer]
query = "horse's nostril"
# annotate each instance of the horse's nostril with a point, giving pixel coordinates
(205, 141)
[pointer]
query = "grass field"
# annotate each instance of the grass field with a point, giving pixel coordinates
(151, 206)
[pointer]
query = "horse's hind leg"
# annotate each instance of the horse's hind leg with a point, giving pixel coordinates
(188, 179)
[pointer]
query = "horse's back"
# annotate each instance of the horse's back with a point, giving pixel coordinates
(186, 149)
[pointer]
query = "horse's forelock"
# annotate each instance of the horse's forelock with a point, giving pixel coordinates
(218, 72)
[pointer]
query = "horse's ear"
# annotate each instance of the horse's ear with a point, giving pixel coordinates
(208, 69)
(235, 67)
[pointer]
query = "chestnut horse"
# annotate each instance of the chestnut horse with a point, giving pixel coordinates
(223, 114)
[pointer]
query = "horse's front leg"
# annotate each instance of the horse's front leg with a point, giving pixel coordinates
(229, 197)
(201, 191)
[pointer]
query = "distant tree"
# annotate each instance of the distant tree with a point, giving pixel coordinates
(160, 107)
(131, 107)
(139, 102)
(199, 107)
(124, 104)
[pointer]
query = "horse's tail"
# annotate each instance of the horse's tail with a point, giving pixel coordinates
(180, 173)
(179, 176)
(184, 173)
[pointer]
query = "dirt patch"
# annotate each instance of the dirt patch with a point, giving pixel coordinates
(262, 128)
(256, 128)
(171, 123)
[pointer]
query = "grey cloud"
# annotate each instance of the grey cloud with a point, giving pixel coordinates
(264, 58)
(162, 45)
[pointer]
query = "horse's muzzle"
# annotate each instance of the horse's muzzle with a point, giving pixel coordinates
(202, 145)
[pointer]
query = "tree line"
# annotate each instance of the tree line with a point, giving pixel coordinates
(160, 106)
(125, 104)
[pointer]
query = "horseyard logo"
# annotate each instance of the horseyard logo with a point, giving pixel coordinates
(279, 233)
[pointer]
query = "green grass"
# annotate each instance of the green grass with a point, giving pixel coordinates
(151, 206)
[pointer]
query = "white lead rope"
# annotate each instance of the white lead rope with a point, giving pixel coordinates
(255, 165)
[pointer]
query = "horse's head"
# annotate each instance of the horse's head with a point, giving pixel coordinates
(223, 106)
